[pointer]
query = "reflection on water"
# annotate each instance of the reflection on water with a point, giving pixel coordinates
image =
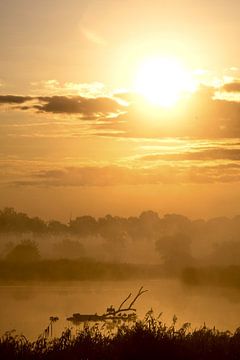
(27, 308)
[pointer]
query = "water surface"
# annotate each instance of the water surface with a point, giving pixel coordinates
(27, 307)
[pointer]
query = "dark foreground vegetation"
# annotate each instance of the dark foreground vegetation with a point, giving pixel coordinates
(148, 339)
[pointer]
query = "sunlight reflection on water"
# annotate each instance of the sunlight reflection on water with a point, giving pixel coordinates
(27, 307)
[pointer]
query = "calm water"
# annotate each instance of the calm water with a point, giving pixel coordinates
(27, 308)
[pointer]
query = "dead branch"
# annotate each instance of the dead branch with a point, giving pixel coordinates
(118, 312)
(140, 292)
(124, 302)
(111, 313)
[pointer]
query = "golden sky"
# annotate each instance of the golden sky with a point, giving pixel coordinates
(119, 107)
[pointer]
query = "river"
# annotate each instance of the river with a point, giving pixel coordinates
(27, 307)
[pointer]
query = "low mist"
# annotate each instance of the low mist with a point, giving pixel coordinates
(173, 241)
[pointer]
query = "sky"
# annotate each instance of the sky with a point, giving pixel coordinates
(120, 106)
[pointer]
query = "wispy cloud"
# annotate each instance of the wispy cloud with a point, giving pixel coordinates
(93, 37)
(114, 175)
(209, 154)
(232, 87)
(54, 87)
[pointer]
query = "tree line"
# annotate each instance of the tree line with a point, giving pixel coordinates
(178, 240)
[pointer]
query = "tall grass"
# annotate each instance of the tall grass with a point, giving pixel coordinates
(147, 339)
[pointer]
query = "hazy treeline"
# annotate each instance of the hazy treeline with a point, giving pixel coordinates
(173, 240)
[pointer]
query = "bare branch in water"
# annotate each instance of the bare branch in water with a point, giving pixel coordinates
(140, 292)
(124, 301)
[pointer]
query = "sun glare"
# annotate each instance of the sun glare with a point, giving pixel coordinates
(163, 81)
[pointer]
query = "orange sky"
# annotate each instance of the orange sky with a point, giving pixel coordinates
(76, 137)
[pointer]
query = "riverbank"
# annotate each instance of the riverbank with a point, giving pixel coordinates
(82, 269)
(148, 339)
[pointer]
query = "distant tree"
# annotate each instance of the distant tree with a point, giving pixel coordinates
(133, 227)
(83, 226)
(149, 217)
(111, 227)
(68, 249)
(37, 225)
(26, 251)
(8, 219)
(56, 227)
(12, 221)
(149, 224)
(175, 250)
(8, 246)
(174, 223)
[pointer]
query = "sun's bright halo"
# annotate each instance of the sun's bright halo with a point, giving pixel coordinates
(163, 81)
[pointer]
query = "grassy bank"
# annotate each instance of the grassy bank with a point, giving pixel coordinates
(228, 276)
(82, 269)
(149, 339)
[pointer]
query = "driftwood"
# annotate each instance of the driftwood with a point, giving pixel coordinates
(119, 314)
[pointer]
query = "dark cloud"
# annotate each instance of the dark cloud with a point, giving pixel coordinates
(232, 87)
(14, 99)
(200, 116)
(78, 105)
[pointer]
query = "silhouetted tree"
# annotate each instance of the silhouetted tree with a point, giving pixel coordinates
(83, 226)
(149, 224)
(56, 227)
(175, 223)
(111, 227)
(175, 250)
(26, 251)
(11, 221)
(68, 249)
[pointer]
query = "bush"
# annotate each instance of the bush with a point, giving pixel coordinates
(26, 251)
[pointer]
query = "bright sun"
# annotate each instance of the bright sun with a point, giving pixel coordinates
(163, 81)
